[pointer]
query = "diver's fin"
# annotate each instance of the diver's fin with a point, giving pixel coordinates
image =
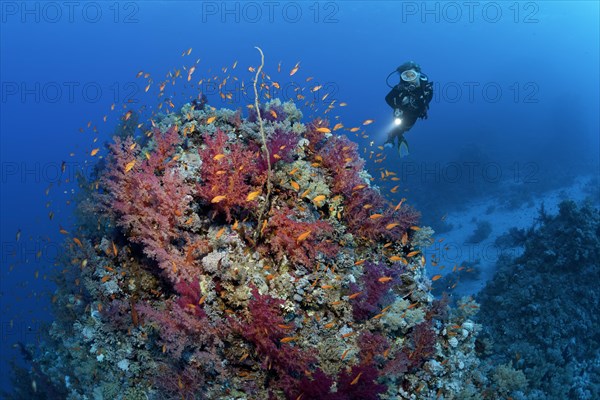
(403, 147)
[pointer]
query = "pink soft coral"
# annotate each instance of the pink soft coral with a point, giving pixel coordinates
(340, 156)
(150, 197)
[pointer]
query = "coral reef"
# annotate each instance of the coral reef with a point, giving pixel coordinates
(482, 232)
(540, 310)
(182, 288)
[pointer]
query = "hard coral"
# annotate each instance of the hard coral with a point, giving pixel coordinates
(271, 113)
(543, 304)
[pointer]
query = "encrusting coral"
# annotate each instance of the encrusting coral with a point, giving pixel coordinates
(180, 298)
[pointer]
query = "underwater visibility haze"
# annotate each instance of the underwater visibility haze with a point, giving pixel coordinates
(341, 200)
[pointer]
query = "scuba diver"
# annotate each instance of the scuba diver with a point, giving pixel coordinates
(200, 102)
(410, 101)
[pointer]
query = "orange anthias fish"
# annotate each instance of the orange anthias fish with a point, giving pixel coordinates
(303, 236)
(399, 204)
(295, 69)
(129, 166)
(217, 199)
(355, 381)
(252, 195)
(319, 198)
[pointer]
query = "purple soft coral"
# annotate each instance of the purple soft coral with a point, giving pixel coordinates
(360, 384)
(374, 293)
(275, 113)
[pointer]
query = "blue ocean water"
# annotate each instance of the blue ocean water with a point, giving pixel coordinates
(514, 115)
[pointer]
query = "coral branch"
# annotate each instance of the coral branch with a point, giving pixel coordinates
(267, 204)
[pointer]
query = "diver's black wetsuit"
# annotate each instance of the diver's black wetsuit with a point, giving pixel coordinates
(413, 103)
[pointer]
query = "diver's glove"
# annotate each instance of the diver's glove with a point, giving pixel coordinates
(389, 142)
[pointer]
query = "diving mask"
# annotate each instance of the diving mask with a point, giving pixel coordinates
(411, 78)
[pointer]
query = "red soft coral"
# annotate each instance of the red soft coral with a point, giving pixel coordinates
(339, 156)
(372, 347)
(283, 233)
(189, 297)
(229, 170)
(180, 330)
(265, 328)
(360, 222)
(423, 345)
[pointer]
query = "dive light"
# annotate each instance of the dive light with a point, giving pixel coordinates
(397, 115)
